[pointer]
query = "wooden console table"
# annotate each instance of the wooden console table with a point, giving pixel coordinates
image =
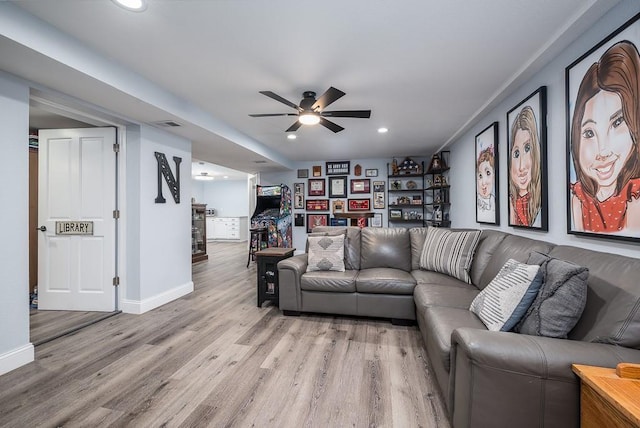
(607, 400)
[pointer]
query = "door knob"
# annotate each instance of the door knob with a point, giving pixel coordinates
(42, 228)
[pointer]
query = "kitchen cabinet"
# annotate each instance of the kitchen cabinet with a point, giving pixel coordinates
(227, 228)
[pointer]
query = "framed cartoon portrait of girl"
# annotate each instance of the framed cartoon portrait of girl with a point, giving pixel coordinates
(527, 162)
(603, 133)
(486, 164)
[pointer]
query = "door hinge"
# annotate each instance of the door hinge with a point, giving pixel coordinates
(116, 214)
(116, 147)
(116, 281)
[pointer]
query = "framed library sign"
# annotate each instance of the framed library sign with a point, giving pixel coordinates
(359, 204)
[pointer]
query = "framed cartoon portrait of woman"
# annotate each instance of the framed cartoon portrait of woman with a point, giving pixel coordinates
(486, 163)
(527, 162)
(603, 133)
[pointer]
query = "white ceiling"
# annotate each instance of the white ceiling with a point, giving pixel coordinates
(426, 68)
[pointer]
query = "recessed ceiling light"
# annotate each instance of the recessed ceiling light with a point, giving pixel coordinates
(225, 177)
(382, 130)
(292, 136)
(132, 5)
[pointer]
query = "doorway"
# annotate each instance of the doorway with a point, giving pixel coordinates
(67, 311)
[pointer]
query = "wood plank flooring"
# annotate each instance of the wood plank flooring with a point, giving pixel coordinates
(213, 358)
(47, 325)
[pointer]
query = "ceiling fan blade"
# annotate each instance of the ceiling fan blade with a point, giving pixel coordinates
(272, 114)
(279, 98)
(332, 94)
(364, 114)
(332, 126)
(294, 127)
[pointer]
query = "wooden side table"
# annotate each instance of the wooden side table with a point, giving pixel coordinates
(607, 400)
(267, 261)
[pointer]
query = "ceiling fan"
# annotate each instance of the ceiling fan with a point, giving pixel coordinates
(311, 111)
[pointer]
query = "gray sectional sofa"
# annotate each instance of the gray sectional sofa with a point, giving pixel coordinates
(488, 378)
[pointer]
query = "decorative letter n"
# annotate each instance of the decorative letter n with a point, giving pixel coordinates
(173, 182)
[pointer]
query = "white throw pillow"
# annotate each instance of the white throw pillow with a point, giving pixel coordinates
(506, 299)
(325, 253)
(449, 252)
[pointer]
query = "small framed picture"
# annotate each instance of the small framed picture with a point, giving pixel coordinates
(303, 173)
(337, 206)
(317, 171)
(298, 219)
(317, 204)
(359, 204)
(316, 187)
(376, 220)
(395, 214)
(298, 196)
(371, 172)
(361, 186)
(338, 187)
(338, 221)
(314, 220)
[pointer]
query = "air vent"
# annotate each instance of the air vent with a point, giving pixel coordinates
(167, 123)
(260, 161)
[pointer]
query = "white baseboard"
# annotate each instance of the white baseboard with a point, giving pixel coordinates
(15, 358)
(142, 306)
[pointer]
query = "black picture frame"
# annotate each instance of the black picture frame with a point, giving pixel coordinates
(487, 183)
(602, 195)
(338, 168)
(303, 173)
(338, 187)
(527, 193)
(298, 196)
(371, 172)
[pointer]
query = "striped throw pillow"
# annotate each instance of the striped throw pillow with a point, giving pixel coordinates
(502, 303)
(449, 252)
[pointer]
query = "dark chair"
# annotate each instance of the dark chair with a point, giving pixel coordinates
(257, 236)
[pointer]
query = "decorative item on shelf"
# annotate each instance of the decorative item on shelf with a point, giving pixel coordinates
(437, 181)
(416, 200)
(394, 167)
(429, 182)
(412, 185)
(396, 185)
(404, 200)
(437, 214)
(395, 214)
(436, 164)
(406, 216)
(409, 166)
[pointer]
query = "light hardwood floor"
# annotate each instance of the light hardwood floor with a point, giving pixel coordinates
(214, 359)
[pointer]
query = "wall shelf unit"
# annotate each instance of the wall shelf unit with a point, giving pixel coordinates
(437, 201)
(405, 197)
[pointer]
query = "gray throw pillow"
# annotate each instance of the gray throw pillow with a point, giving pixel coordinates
(502, 303)
(560, 301)
(326, 253)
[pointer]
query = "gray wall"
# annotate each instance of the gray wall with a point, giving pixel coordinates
(462, 151)
(230, 198)
(15, 348)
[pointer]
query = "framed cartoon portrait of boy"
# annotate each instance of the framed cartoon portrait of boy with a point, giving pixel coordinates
(527, 162)
(603, 133)
(486, 164)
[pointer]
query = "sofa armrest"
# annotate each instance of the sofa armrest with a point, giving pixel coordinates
(503, 379)
(290, 271)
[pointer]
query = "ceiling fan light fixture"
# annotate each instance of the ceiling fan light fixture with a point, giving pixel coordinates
(309, 118)
(292, 136)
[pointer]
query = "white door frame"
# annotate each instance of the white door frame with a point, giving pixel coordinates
(98, 118)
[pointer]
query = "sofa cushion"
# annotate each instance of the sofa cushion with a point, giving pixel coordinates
(511, 247)
(612, 312)
(560, 301)
(449, 252)
(506, 299)
(442, 321)
(431, 277)
(339, 282)
(417, 236)
(385, 281)
(351, 242)
(489, 242)
(326, 253)
(453, 296)
(385, 248)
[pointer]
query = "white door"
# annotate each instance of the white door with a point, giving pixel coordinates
(76, 193)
